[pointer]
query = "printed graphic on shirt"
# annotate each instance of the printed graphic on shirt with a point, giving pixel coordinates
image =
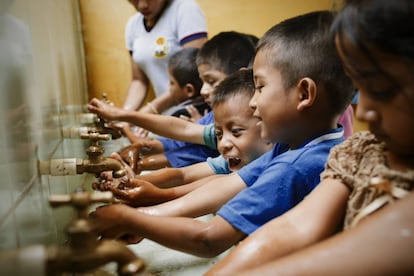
(161, 47)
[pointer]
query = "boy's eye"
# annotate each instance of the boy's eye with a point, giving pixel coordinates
(237, 131)
(258, 88)
(219, 135)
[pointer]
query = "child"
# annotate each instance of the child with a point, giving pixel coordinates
(301, 90)
(222, 55)
(185, 83)
(238, 141)
(363, 174)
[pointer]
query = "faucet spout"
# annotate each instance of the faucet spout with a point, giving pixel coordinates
(101, 165)
(73, 166)
(84, 251)
(78, 261)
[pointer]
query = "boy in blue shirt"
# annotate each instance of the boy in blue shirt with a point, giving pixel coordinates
(238, 139)
(301, 90)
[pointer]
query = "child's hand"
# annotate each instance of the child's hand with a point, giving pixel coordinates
(108, 220)
(141, 133)
(194, 114)
(106, 111)
(138, 192)
(106, 180)
(130, 155)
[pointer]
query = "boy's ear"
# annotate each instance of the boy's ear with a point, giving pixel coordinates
(307, 92)
(189, 90)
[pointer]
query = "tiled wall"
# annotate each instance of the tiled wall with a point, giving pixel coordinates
(42, 86)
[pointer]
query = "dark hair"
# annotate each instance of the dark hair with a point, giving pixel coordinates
(385, 25)
(184, 68)
(240, 82)
(227, 51)
(303, 46)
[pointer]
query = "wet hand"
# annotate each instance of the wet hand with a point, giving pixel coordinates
(131, 155)
(109, 221)
(138, 192)
(106, 111)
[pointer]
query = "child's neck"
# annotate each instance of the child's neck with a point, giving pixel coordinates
(400, 162)
(309, 132)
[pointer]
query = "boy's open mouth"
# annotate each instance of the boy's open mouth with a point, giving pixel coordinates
(234, 161)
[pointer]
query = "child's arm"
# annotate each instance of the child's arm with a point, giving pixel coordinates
(138, 192)
(171, 177)
(131, 154)
(381, 245)
(201, 197)
(166, 126)
(152, 162)
(200, 238)
(314, 219)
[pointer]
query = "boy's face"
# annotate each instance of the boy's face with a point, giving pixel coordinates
(238, 134)
(275, 107)
(179, 94)
(211, 78)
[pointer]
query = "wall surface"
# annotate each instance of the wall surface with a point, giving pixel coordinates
(41, 81)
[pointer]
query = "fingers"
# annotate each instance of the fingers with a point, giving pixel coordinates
(131, 239)
(94, 104)
(186, 118)
(141, 132)
(130, 155)
(194, 114)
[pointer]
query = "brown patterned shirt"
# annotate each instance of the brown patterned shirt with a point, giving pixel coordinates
(355, 162)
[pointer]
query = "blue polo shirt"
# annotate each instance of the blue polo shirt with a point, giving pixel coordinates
(277, 181)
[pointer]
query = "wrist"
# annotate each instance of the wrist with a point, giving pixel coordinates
(152, 108)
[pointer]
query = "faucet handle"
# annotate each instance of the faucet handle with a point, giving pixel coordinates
(80, 199)
(94, 135)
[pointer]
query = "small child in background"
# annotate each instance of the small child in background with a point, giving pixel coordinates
(222, 55)
(367, 185)
(238, 138)
(301, 89)
(184, 89)
(185, 85)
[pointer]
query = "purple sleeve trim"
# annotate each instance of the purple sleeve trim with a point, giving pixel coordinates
(192, 37)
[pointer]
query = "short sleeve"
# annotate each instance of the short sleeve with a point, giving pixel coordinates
(344, 159)
(209, 136)
(190, 21)
(218, 165)
(130, 34)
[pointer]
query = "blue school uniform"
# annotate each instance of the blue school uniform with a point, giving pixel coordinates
(182, 154)
(277, 181)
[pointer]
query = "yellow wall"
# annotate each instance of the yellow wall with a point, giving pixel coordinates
(108, 63)
(254, 17)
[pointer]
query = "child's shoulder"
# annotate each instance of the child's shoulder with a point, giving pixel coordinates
(360, 142)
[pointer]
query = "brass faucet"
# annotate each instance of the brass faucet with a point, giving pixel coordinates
(96, 162)
(102, 127)
(84, 251)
